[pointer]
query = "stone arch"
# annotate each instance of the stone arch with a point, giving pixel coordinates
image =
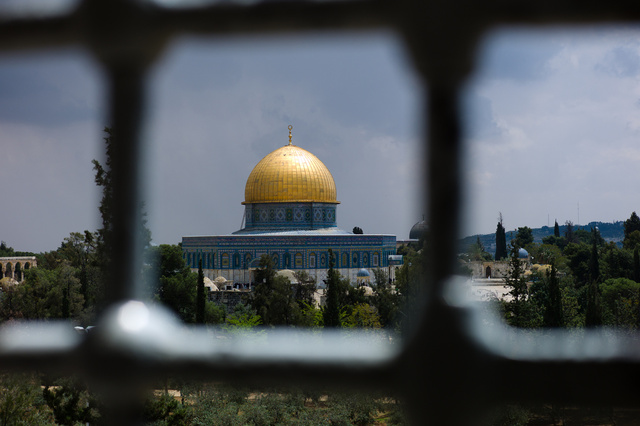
(487, 273)
(8, 270)
(18, 272)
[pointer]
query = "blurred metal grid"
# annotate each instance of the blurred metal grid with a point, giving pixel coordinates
(449, 368)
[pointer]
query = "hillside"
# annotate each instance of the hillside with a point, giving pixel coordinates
(609, 231)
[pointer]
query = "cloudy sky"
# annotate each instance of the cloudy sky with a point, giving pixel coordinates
(552, 121)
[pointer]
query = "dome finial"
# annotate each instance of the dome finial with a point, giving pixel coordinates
(290, 127)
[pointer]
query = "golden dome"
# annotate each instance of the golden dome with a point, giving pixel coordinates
(290, 174)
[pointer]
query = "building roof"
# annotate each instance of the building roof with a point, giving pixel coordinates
(290, 174)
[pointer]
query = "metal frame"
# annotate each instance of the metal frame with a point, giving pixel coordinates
(447, 369)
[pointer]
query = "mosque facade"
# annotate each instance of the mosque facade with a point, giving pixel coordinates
(290, 215)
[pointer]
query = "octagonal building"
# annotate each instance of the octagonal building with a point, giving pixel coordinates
(290, 214)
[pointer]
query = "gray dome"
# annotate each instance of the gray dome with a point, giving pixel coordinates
(418, 230)
(363, 273)
(523, 254)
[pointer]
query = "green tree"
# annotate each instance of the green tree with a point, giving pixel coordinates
(501, 241)
(214, 313)
(556, 230)
(385, 299)
(620, 302)
(569, 234)
(631, 225)
(524, 236)
(104, 241)
(21, 401)
(593, 311)
(305, 289)
(357, 230)
(553, 315)
(362, 316)
(331, 314)
(636, 265)
(243, 318)
(176, 284)
(42, 294)
(477, 252)
(71, 403)
(273, 296)
(578, 256)
(518, 310)
(200, 296)
(616, 263)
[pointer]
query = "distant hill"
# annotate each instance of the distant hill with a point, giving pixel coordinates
(609, 231)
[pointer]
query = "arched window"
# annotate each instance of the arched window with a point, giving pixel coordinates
(376, 259)
(247, 260)
(312, 260)
(365, 259)
(276, 260)
(354, 259)
(287, 261)
(298, 263)
(18, 274)
(236, 260)
(345, 260)
(225, 260)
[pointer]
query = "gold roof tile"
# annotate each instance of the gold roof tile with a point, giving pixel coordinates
(290, 174)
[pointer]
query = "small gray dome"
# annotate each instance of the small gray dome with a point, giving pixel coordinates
(523, 254)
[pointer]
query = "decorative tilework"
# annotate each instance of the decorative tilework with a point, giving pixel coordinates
(289, 215)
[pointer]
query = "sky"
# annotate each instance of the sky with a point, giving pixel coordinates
(551, 123)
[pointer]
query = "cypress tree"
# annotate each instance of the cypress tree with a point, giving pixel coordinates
(553, 316)
(501, 241)
(636, 265)
(200, 299)
(331, 313)
(556, 230)
(593, 314)
(518, 308)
